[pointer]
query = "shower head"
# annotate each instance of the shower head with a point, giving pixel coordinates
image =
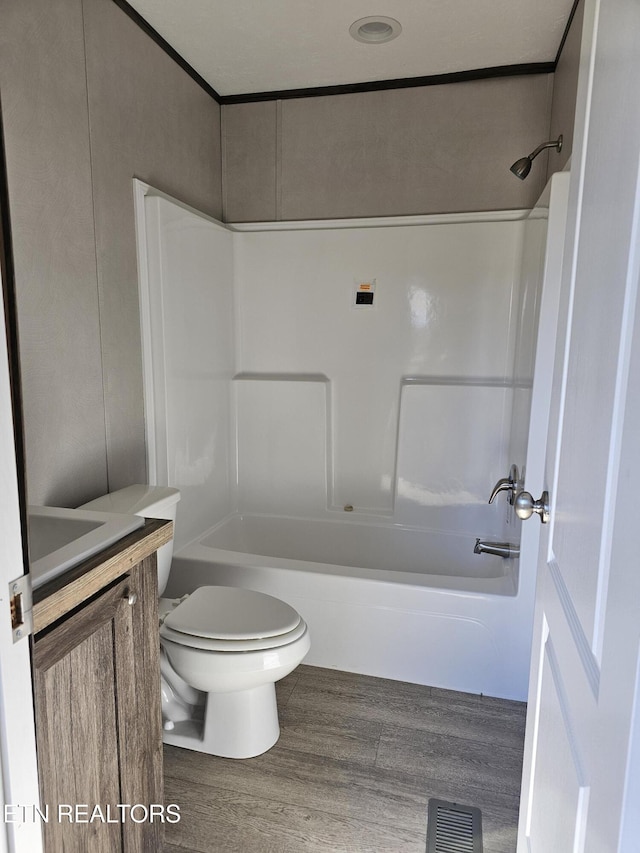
(522, 167)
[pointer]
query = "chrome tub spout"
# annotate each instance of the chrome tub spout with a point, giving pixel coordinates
(498, 549)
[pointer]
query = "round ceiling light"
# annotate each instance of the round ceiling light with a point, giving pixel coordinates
(375, 30)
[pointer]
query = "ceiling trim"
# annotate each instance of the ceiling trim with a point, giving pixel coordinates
(137, 18)
(349, 88)
(572, 15)
(400, 83)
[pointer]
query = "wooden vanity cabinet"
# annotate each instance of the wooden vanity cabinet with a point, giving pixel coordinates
(98, 719)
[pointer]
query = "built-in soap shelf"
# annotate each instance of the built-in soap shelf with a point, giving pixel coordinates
(467, 381)
(286, 446)
(281, 377)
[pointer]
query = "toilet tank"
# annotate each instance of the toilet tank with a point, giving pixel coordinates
(150, 502)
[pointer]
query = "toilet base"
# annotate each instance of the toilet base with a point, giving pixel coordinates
(241, 724)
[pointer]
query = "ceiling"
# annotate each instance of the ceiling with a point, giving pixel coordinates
(249, 46)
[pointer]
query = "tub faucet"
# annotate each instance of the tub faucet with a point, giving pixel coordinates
(498, 549)
(507, 484)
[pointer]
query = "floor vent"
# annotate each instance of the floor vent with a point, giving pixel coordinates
(452, 828)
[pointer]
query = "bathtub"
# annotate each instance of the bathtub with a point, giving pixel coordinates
(379, 599)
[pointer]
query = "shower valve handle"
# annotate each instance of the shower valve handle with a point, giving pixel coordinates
(507, 484)
(525, 506)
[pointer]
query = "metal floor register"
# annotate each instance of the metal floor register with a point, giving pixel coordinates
(452, 828)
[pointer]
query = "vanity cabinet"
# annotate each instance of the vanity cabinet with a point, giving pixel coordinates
(97, 695)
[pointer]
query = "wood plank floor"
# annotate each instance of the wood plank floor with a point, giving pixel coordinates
(357, 760)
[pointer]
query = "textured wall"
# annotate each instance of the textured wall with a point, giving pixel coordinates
(44, 101)
(148, 119)
(89, 102)
(249, 151)
(434, 149)
(565, 87)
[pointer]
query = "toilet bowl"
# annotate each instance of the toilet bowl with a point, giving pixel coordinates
(222, 650)
(233, 644)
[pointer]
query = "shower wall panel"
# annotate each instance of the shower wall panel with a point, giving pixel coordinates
(186, 281)
(273, 391)
(283, 438)
(419, 380)
(452, 448)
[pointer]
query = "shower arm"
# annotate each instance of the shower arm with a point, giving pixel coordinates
(556, 143)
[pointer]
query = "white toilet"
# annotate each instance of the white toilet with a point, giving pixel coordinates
(223, 649)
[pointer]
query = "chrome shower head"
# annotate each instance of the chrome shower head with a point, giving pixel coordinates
(522, 167)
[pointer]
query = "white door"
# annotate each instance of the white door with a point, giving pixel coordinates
(582, 748)
(18, 767)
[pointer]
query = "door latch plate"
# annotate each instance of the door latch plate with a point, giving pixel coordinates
(21, 606)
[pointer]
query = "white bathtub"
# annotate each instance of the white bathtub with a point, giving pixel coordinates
(379, 599)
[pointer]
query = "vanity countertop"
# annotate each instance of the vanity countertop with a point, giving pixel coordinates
(59, 596)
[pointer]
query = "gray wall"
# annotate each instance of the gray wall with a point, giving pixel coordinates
(89, 101)
(565, 88)
(436, 149)
(433, 149)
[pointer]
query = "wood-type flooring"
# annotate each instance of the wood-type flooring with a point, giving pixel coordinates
(357, 760)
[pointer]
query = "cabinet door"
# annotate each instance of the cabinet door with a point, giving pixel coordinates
(97, 699)
(139, 709)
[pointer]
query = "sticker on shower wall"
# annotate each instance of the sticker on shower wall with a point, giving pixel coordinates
(363, 293)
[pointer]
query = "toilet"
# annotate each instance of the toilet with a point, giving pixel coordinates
(222, 649)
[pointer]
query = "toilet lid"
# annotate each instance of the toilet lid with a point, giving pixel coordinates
(213, 645)
(231, 613)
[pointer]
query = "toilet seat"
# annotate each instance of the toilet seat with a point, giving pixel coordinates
(214, 645)
(232, 619)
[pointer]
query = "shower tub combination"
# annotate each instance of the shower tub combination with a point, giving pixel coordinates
(393, 589)
(379, 599)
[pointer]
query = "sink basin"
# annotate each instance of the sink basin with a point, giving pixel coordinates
(61, 538)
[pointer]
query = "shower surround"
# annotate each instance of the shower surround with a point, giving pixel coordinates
(338, 455)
